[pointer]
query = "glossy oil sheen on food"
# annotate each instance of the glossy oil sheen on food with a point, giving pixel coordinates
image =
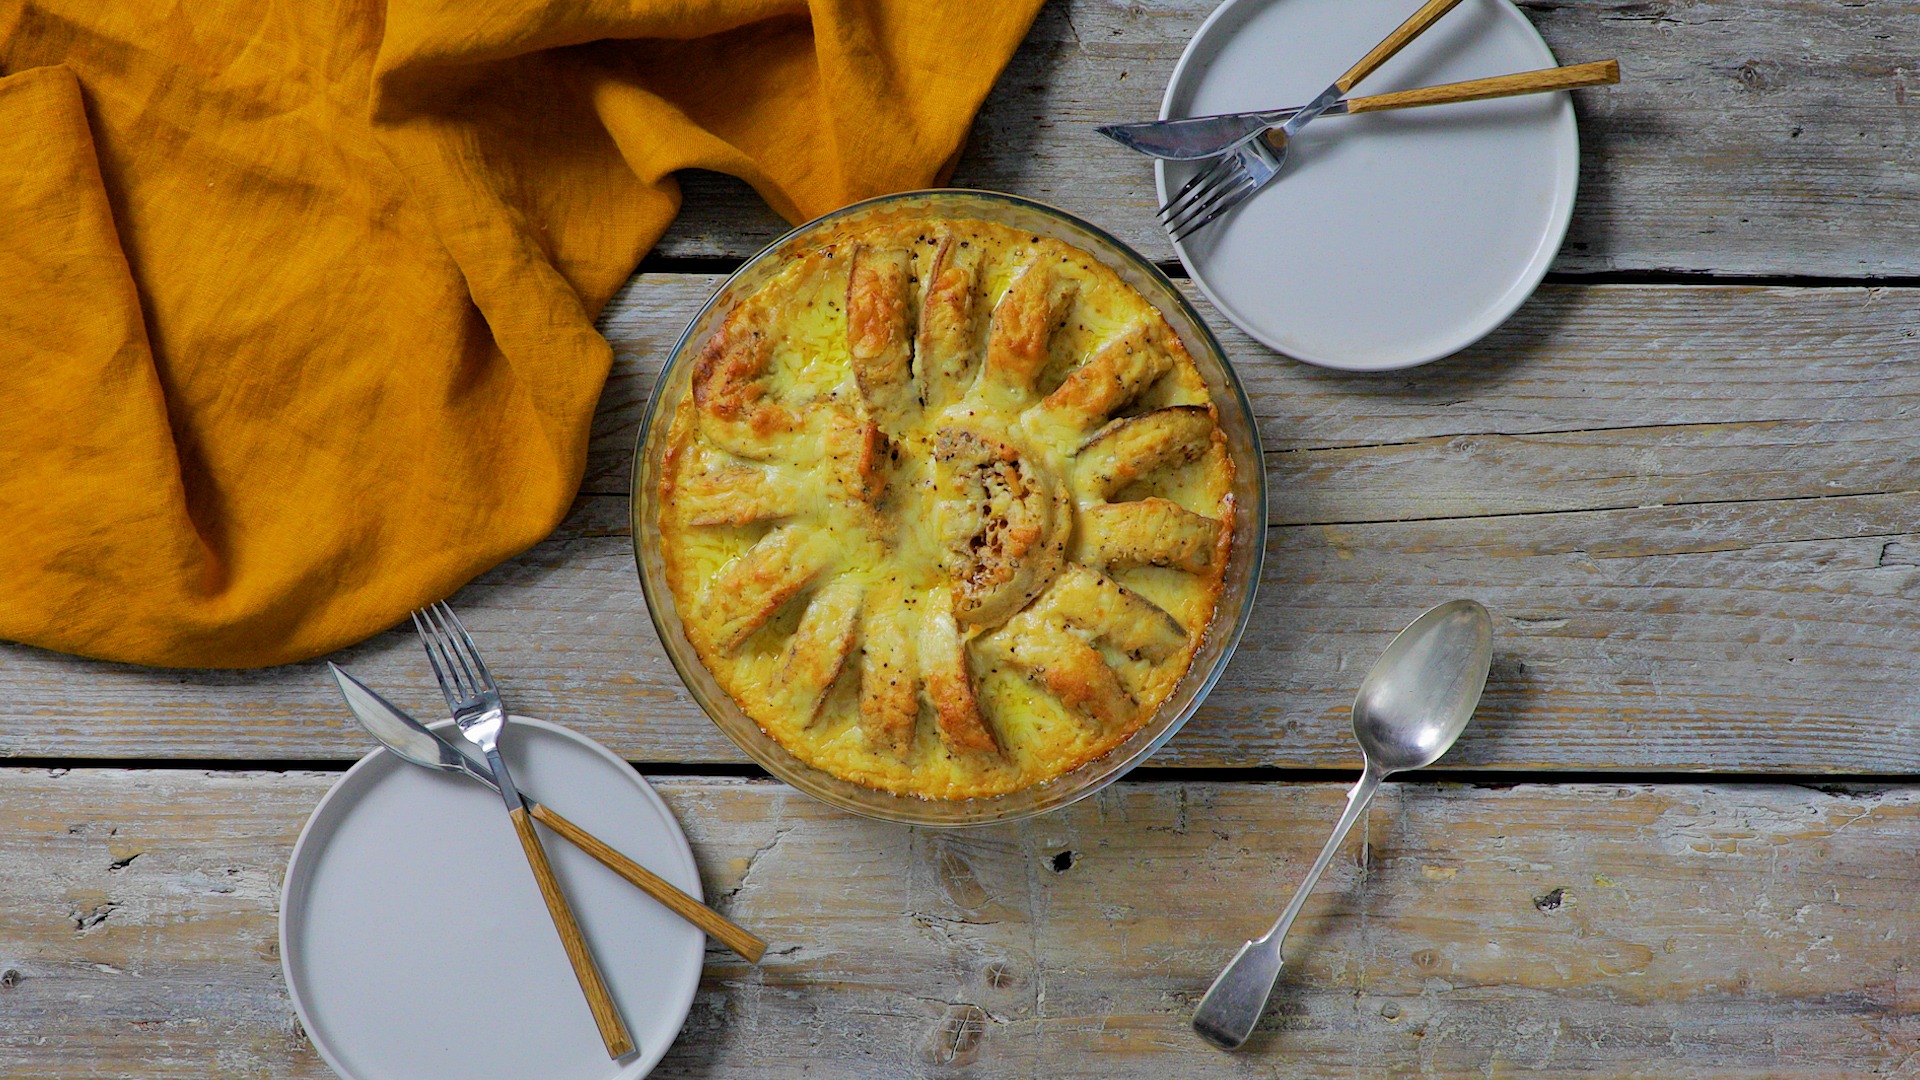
(946, 510)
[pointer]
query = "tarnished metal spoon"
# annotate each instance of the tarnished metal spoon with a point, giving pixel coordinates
(1410, 709)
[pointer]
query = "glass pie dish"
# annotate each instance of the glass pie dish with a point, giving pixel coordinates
(1235, 598)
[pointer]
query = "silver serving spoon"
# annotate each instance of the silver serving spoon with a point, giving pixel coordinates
(1410, 709)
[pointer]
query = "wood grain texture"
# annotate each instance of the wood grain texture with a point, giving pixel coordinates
(1590, 929)
(1692, 509)
(714, 924)
(1771, 137)
(1589, 397)
(1571, 77)
(1416, 24)
(593, 986)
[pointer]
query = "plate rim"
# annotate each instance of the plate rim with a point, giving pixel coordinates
(357, 776)
(1552, 238)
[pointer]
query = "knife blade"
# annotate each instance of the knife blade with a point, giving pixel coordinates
(1194, 138)
(407, 737)
(413, 741)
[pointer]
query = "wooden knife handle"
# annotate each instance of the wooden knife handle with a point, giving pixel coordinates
(1572, 77)
(717, 926)
(1428, 14)
(613, 1031)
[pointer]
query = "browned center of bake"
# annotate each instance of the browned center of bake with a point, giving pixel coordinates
(1004, 520)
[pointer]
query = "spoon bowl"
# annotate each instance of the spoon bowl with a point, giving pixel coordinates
(1420, 694)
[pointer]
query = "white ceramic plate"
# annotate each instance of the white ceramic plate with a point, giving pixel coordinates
(415, 943)
(1392, 238)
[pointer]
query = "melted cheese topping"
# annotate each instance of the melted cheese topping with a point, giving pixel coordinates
(947, 510)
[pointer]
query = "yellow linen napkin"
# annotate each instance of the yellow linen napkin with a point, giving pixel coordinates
(296, 299)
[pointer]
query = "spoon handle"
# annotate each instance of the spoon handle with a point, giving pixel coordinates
(1233, 1004)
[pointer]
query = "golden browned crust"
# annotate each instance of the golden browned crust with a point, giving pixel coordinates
(729, 391)
(903, 557)
(737, 496)
(946, 351)
(856, 453)
(1151, 532)
(1023, 326)
(1109, 379)
(1127, 449)
(948, 676)
(889, 683)
(1093, 602)
(880, 334)
(755, 586)
(1070, 669)
(819, 648)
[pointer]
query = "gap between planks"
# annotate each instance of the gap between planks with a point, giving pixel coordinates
(1591, 397)
(722, 265)
(1490, 779)
(1416, 519)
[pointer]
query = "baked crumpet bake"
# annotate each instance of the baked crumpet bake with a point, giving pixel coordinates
(947, 509)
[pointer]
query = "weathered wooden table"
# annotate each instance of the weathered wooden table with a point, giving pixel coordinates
(1680, 839)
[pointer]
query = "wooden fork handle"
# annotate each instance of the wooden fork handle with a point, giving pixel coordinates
(1572, 77)
(716, 925)
(613, 1031)
(1416, 25)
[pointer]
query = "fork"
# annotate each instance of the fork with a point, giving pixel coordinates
(1182, 214)
(1253, 162)
(475, 700)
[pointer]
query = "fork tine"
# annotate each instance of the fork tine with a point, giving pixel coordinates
(1192, 182)
(472, 651)
(450, 646)
(1226, 189)
(1232, 199)
(1195, 189)
(440, 675)
(1198, 187)
(1177, 227)
(1232, 170)
(1225, 204)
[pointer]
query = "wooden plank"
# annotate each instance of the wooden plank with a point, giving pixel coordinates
(1591, 929)
(1739, 637)
(1589, 397)
(1772, 137)
(1706, 544)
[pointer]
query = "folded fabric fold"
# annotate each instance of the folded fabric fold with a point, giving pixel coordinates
(297, 301)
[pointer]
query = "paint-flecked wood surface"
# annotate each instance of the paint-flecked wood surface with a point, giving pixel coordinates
(1694, 512)
(1746, 136)
(1601, 930)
